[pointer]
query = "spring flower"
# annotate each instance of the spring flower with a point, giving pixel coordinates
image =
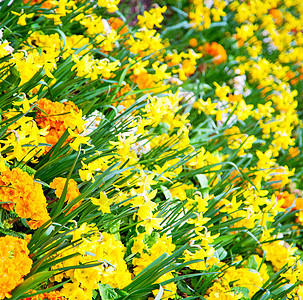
(163, 244)
(54, 295)
(216, 51)
(24, 196)
(152, 18)
(294, 151)
(193, 42)
(72, 190)
(24, 139)
(112, 270)
(22, 17)
(14, 263)
(57, 118)
(110, 5)
(103, 202)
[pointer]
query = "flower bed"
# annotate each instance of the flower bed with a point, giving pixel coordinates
(151, 150)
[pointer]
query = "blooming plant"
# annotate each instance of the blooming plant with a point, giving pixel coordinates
(151, 151)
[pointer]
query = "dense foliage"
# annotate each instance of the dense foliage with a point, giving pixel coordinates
(151, 150)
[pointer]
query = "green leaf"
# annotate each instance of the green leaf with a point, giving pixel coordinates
(252, 263)
(283, 290)
(60, 203)
(107, 292)
(151, 239)
(266, 296)
(243, 290)
(30, 283)
(114, 228)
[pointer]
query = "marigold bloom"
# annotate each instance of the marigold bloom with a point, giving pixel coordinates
(44, 4)
(14, 263)
(55, 295)
(216, 51)
(118, 25)
(193, 42)
(288, 198)
(299, 203)
(57, 117)
(276, 15)
(72, 191)
(128, 100)
(23, 195)
(294, 151)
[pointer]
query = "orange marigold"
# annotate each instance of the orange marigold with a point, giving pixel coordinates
(288, 198)
(44, 4)
(14, 263)
(299, 203)
(57, 117)
(128, 100)
(72, 191)
(293, 152)
(55, 295)
(23, 195)
(240, 42)
(299, 206)
(118, 24)
(277, 15)
(216, 51)
(193, 42)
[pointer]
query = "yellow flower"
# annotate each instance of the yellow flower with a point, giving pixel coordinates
(78, 140)
(23, 17)
(151, 223)
(103, 202)
(110, 5)
(152, 18)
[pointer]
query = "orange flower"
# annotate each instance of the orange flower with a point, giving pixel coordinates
(236, 177)
(235, 98)
(294, 151)
(57, 117)
(299, 206)
(300, 70)
(14, 263)
(299, 203)
(276, 15)
(55, 295)
(240, 42)
(288, 198)
(281, 177)
(24, 196)
(188, 67)
(292, 77)
(144, 81)
(216, 51)
(44, 4)
(118, 25)
(72, 191)
(193, 42)
(128, 100)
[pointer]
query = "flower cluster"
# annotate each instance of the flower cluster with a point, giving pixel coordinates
(57, 117)
(151, 157)
(103, 250)
(72, 192)
(21, 194)
(14, 263)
